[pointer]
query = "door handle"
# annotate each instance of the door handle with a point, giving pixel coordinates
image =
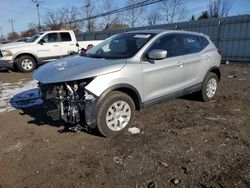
(56, 45)
(180, 64)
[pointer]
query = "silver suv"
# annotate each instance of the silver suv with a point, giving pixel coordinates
(128, 72)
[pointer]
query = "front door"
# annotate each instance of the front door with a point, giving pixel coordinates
(166, 76)
(49, 47)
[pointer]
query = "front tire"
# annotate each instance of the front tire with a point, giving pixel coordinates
(115, 114)
(209, 87)
(26, 63)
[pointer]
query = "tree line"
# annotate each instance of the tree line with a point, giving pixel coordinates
(166, 11)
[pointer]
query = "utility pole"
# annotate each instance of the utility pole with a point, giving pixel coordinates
(12, 21)
(37, 2)
(1, 28)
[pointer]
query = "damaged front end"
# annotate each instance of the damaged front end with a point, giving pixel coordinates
(69, 101)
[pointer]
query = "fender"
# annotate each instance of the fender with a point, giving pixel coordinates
(91, 109)
(211, 70)
(25, 52)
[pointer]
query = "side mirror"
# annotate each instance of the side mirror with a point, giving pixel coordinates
(41, 41)
(77, 45)
(157, 54)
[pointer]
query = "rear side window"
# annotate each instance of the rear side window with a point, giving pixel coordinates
(170, 43)
(65, 37)
(192, 44)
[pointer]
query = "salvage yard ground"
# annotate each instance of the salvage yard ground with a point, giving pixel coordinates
(182, 143)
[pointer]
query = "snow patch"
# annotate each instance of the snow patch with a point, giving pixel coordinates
(134, 130)
(19, 95)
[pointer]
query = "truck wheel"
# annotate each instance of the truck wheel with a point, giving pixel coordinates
(115, 114)
(209, 87)
(26, 63)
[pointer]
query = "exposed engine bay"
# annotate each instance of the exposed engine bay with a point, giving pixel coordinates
(69, 101)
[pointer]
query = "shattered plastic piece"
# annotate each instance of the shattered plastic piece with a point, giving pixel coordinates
(175, 181)
(164, 164)
(117, 160)
(213, 101)
(134, 130)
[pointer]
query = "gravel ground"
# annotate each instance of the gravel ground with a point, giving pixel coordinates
(183, 143)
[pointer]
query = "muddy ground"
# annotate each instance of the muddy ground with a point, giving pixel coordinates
(183, 143)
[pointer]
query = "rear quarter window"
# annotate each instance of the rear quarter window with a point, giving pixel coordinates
(204, 42)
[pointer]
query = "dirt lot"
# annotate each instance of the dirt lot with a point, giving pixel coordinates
(183, 143)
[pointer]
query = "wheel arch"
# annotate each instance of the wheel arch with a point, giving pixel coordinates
(27, 54)
(215, 70)
(125, 88)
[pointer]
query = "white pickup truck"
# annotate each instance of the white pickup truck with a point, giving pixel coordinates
(41, 48)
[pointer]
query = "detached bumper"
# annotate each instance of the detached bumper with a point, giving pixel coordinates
(6, 63)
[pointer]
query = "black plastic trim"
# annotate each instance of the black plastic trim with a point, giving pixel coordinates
(189, 90)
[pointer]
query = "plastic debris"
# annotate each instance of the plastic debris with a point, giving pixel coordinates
(134, 130)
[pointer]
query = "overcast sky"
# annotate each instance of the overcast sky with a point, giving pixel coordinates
(24, 11)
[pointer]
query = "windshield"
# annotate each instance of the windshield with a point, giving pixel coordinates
(120, 46)
(34, 37)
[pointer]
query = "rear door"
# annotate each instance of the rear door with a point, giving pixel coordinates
(195, 57)
(68, 45)
(50, 47)
(166, 76)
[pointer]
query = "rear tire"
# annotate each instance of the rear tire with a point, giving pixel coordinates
(209, 87)
(26, 63)
(115, 114)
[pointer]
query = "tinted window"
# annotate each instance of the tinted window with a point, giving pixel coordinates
(65, 37)
(170, 43)
(204, 42)
(192, 44)
(51, 37)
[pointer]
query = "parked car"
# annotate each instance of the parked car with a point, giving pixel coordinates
(41, 48)
(22, 39)
(128, 72)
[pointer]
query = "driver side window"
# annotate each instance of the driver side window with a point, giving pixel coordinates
(170, 43)
(51, 37)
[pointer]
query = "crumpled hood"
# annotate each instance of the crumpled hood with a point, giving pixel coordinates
(76, 68)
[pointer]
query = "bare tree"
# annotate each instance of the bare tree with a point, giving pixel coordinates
(108, 5)
(204, 16)
(88, 11)
(219, 8)
(53, 20)
(63, 18)
(32, 29)
(132, 15)
(68, 16)
(153, 16)
(173, 10)
(13, 35)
